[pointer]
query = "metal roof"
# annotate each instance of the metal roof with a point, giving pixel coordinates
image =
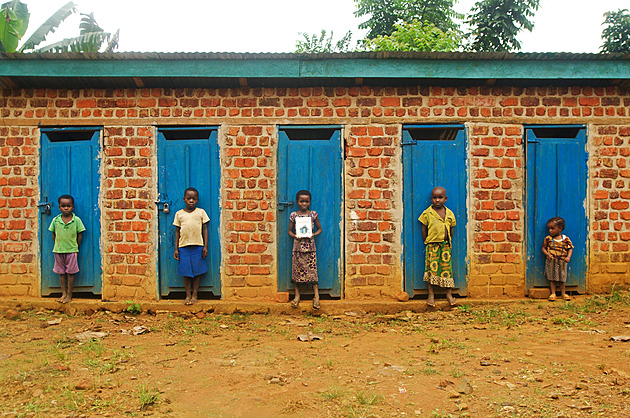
(229, 69)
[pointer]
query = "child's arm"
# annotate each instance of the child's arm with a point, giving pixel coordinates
(54, 236)
(425, 232)
(568, 257)
(292, 229)
(204, 232)
(544, 249)
(79, 238)
(176, 254)
(318, 226)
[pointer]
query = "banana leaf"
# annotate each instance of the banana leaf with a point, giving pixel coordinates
(14, 17)
(90, 42)
(48, 26)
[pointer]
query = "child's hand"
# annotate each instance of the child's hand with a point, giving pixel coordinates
(204, 252)
(549, 257)
(567, 259)
(176, 254)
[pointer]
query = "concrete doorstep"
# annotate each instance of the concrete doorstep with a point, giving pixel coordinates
(328, 307)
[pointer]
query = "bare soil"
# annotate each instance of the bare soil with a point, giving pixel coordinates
(528, 358)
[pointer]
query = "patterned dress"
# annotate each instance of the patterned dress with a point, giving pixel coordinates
(556, 268)
(438, 269)
(304, 256)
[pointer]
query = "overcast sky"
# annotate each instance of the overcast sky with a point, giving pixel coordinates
(274, 25)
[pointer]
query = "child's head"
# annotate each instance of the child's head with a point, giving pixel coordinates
(438, 197)
(303, 199)
(555, 226)
(191, 197)
(66, 204)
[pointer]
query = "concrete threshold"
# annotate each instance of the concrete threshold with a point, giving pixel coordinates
(328, 307)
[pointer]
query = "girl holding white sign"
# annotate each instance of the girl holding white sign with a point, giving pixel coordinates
(303, 227)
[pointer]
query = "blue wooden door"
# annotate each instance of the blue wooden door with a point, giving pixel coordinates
(70, 165)
(188, 157)
(433, 156)
(556, 186)
(310, 158)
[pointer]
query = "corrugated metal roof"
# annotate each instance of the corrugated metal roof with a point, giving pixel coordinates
(230, 69)
(537, 56)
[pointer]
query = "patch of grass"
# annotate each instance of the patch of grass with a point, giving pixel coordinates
(93, 348)
(72, 399)
(501, 316)
(457, 373)
(133, 308)
(147, 397)
(333, 393)
(368, 398)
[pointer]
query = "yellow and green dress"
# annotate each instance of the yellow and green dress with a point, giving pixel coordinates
(438, 269)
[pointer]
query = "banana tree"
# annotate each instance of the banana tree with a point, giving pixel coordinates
(92, 37)
(14, 20)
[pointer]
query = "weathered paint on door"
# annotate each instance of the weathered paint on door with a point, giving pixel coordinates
(313, 161)
(433, 156)
(556, 186)
(70, 165)
(188, 157)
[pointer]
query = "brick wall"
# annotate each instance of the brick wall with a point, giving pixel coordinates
(18, 210)
(496, 215)
(610, 214)
(129, 221)
(373, 203)
(248, 196)
(372, 118)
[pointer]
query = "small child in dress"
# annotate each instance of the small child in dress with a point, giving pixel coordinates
(437, 231)
(304, 261)
(191, 243)
(558, 249)
(67, 230)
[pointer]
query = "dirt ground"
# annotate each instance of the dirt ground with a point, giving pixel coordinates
(526, 358)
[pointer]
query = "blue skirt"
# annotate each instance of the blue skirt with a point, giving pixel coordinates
(191, 263)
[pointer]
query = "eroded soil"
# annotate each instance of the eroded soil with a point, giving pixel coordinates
(532, 358)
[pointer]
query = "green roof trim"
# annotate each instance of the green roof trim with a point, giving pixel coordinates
(329, 67)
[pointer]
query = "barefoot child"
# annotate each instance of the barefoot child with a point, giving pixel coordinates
(191, 243)
(558, 250)
(67, 230)
(304, 270)
(437, 231)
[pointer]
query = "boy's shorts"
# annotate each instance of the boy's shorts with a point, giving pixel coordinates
(66, 263)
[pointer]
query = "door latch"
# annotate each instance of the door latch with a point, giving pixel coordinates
(163, 205)
(166, 208)
(283, 204)
(46, 208)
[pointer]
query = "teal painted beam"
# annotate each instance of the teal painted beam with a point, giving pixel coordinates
(324, 68)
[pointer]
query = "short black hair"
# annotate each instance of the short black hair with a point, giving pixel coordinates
(303, 193)
(557, 221)
(191, 189)
(66, 196)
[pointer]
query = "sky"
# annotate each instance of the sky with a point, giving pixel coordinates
(275, 25)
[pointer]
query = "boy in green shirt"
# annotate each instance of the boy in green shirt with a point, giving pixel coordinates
(67, 230)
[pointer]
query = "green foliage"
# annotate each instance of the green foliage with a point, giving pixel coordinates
(384, 15)
(48, 26)
(416, 36)
(133, 308)
(496, 23)
(147, 397)
(616, 34)
(14, 20)
(14, 17)
(322, 43)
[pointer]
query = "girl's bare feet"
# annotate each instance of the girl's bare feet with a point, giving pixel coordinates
(67, 299)
(431, 301)
(295, 303)
(62, 298)
(187, 301)
(193, 300)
